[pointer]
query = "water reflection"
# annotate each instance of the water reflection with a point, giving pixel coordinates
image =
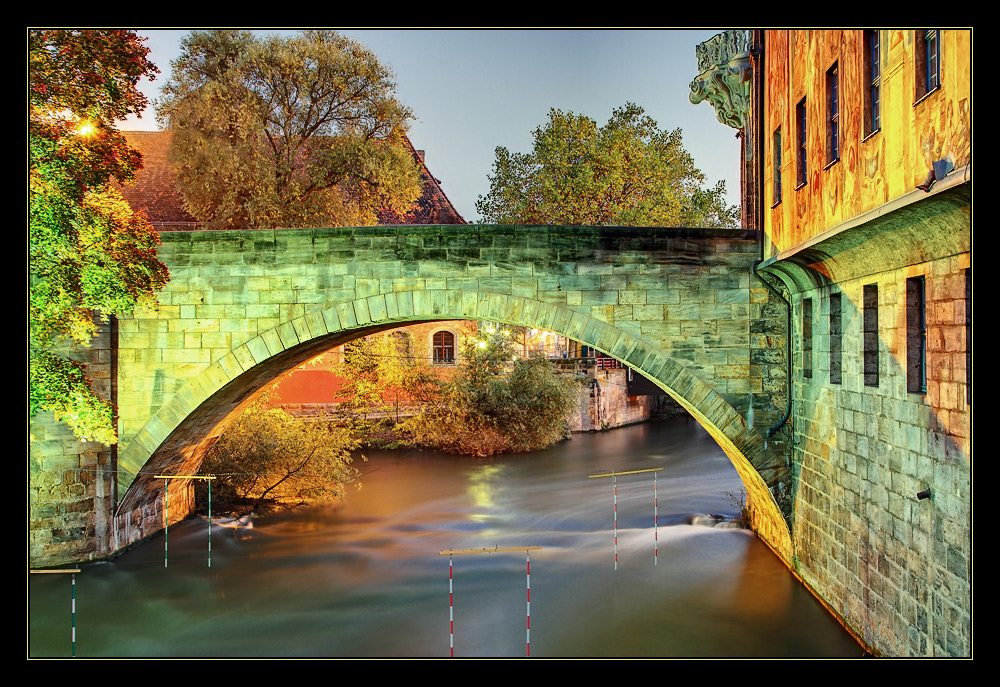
(482, 487)
(365, 578)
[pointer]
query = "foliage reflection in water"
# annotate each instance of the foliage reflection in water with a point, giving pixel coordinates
(365, 579)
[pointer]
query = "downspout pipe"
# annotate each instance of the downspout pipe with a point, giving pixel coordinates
(788, 347)
(757, 54)
(757, 119)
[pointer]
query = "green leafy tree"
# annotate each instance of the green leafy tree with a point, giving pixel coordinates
(268, 455)
(88, 252)
(626, 173)
(286, 132)
(497, 403)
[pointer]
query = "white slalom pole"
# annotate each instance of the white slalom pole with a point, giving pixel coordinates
(166, 510)
(72, 603)
(73, 612)
(614, 483)
(656, 536)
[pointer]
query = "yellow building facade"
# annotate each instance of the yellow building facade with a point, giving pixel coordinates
(857, 179)
(865, 193)
(870, 88)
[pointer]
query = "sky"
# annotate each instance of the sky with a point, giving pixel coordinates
(474, 90)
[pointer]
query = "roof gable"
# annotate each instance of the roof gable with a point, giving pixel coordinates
(155, 191)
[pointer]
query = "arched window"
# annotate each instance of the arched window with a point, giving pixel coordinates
(444, 348)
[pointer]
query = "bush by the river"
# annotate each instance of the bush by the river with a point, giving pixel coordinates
(268, 456)
(496, 403)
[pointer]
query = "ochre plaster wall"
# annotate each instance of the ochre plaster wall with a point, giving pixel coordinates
(873, 169)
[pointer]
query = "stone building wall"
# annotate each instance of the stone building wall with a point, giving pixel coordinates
(897, 567)
(70, 495)
(72, 484)
(866, 197)
(605, 403)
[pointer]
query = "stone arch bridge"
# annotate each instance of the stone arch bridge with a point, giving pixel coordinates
(678, 305)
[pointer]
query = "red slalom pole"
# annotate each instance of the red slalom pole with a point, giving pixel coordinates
(451, 611)
(527, 636)
(495, 549)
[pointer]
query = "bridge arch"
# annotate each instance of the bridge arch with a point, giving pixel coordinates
(177, 437)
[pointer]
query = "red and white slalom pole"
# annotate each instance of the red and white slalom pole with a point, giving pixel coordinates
(451, 610)
(614, 481)
(496, 549)
(527, 636)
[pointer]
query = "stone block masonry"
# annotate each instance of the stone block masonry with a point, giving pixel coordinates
(604, 403)
(244, 307)
(899, 566)
(71, 490)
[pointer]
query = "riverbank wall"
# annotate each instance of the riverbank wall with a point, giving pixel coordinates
(605, 403)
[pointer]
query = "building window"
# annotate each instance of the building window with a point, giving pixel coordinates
(927, 51)
(870, 333)
(807, 337)
(833, 114)
(836, 338)
(444, 348)
(916, 337)
(776, 158)
(800, 141)
(873, 82)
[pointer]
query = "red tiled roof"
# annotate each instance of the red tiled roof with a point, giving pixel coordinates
(154, 190)
(432, 207)
(156, 193)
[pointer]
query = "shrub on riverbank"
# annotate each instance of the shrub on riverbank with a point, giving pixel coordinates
(496, 404)
(269, 456)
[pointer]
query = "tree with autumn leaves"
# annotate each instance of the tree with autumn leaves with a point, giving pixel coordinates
(88, 251)
(297, 131)
(382, 377)
(269, 456)
(628, 172)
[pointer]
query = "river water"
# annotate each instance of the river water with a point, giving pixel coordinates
(365, 578)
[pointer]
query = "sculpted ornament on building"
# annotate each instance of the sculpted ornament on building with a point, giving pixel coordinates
(725, 78)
